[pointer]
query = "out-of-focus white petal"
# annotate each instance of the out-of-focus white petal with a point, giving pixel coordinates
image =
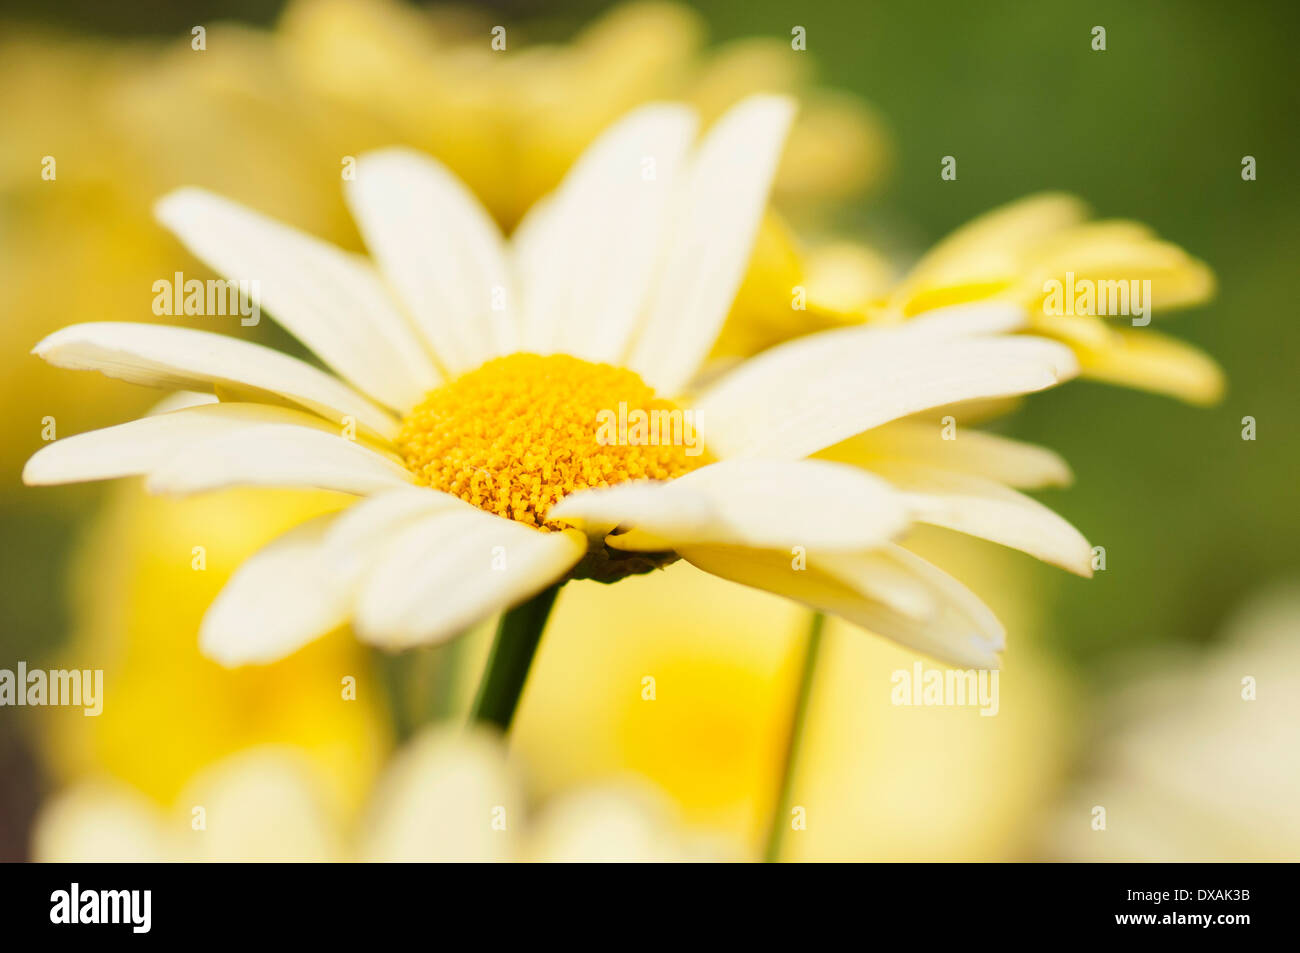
(447, 796)
(451, 568)
(362, 531)
(280, 599)
(619, 822)
(100, 821)
(261, 805)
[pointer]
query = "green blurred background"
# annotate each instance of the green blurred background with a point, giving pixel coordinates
(1154, 129)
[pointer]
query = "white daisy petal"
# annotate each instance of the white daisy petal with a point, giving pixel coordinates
(181, 399)
(669, 509)
(101, 821)
(976, 452)
(450, 569)
(329, 299)
(947, 621)
(440, 251)
(425, 803)
(360, 534)
(276, 602)
(810, 393)
(160, 356)
(915, 588)
(718, 212)
(140, 446)
(587, 255)
(966, 320)
(278, 455)
(763, 503)
(878, 575)
(982, 508)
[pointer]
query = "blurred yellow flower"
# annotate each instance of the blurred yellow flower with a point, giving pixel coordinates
(1020, 250)
(511, 122)
(143, 579)
(1017, 252)
(445, 796)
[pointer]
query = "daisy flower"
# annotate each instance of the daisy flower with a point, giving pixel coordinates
(469, 378)
(329, 80)
(1018, 252)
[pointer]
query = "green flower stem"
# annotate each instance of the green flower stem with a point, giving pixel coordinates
(517, 638)
(419, 685)
(390, 669)
(440, 698)
(798, 719)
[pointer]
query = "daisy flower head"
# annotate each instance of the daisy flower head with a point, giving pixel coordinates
(1094, 285)
(486, 402)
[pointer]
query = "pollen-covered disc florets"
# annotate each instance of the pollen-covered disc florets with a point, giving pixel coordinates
(521, 432)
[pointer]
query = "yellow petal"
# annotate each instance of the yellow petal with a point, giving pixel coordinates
(839, 147)
(736, 69)
(960, 291)
(1082, 330)
(842, 278)
(839, 280)
(989, 249)
(761, 313)
(1139, 357)
(1118, 252)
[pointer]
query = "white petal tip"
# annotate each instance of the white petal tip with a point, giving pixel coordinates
(398, 638)
(218, 649)
(391, 153)
(168, 209)
(777, 104)
(1061, 476)
(35, 472)
(1067, 367)
(45, 345)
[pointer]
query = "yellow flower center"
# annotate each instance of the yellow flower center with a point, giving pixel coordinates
(522, 432)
